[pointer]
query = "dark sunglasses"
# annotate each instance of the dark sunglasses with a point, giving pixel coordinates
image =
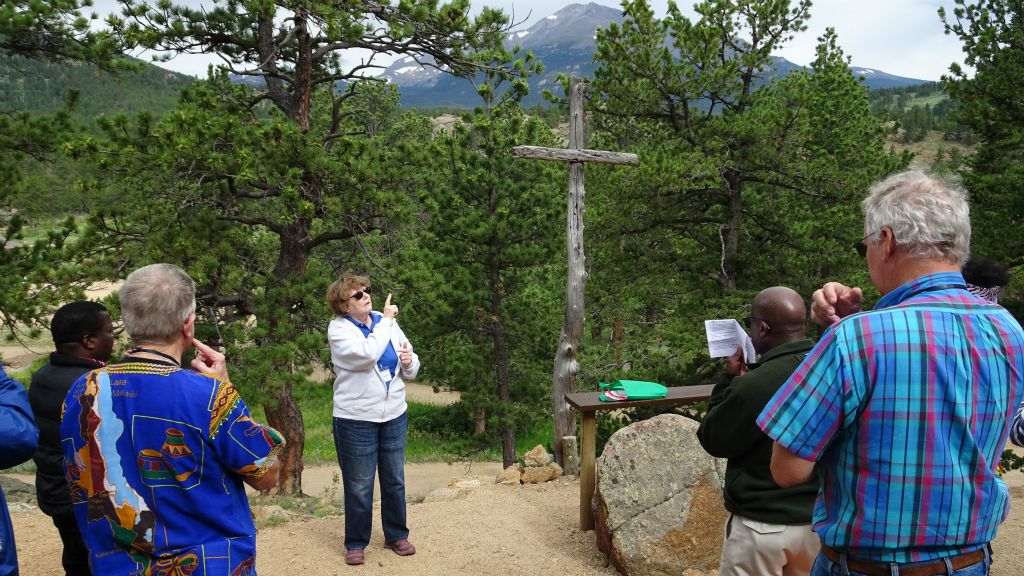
(359, 295)
(861, 247)
(749, 321)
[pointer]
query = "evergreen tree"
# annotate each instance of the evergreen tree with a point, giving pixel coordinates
(265, 186)
(492, 244)
(37, 276)
(992, 32)
(746, 180)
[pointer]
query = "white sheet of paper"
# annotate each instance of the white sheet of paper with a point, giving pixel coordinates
(725, 336)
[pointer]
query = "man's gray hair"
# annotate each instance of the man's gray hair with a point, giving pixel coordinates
(929, 217)
(155, 302)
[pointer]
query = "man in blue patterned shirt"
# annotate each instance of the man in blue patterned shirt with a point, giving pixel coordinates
(905, 409)
(156, 454)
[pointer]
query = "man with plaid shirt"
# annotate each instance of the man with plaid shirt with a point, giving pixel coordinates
(905, 409)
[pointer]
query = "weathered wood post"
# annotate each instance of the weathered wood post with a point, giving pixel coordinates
(566, 366)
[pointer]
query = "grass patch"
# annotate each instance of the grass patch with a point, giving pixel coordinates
(446, 433)
(39, 228)
(28, 467)
(926, 151)
(436, 433)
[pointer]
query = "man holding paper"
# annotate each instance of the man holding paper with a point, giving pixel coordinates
(769, 530)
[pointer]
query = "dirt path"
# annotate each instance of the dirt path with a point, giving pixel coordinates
(488, 530)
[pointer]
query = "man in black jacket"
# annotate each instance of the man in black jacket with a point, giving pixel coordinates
(84, 340)
(769, 532)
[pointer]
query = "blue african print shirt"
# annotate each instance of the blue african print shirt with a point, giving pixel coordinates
(155, 457)
(906, 410)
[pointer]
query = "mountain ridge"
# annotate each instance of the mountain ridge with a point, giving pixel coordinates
(565, 42)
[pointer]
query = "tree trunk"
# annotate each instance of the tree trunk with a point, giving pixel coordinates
(566, 366)
(617, 337)
(501, 375)
(508, 446)
(479, 420)
(730, 231)
(501, 360)
(286, 418)
(283, 412)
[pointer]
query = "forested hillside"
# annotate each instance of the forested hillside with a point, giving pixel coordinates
(36, 87)
(928, 125)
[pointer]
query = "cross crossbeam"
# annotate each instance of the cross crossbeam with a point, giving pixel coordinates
(570, 155)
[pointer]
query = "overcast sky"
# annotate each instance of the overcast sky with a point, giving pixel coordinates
(902, 37)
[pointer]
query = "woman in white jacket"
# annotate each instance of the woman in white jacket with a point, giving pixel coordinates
(371, 358)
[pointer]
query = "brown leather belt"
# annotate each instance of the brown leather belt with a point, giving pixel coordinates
(936, 568)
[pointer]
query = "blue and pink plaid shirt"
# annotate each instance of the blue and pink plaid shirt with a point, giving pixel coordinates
(906, 409)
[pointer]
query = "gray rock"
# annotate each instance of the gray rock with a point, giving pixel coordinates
(445, 494)
(17, 491)
(464, 483)
(658, 506)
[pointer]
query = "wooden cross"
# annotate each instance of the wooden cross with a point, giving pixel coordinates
(566, 366)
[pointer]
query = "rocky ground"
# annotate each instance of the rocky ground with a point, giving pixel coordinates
(481, 529)
(489, 529)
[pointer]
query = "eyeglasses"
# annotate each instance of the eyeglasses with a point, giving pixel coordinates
(359, 295)
(749, 321)
(861, 247)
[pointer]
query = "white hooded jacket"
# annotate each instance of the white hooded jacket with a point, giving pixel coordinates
(360, 387)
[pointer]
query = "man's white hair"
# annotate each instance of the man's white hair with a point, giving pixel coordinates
(929, 217)
(155, 302)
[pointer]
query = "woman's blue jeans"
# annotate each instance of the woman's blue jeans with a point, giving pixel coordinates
(823, 566)
(365, 449)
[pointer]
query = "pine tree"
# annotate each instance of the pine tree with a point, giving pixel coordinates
(492, 246)
(992, 32)
(257, 191)
(747, 180)
(37, 276)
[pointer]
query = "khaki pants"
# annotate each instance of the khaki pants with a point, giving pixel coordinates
(753, 548)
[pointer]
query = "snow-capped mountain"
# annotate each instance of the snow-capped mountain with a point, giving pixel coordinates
(565, 42)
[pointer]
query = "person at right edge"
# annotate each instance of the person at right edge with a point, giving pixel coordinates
(904, 409)
(769, 528)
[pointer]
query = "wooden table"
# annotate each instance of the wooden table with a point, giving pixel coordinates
(588, 403)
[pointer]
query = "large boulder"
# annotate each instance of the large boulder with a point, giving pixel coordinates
(658, 507)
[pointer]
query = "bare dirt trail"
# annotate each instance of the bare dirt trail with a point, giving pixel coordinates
(488, 530)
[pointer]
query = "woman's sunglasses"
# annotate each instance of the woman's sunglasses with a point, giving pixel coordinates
(359, 295)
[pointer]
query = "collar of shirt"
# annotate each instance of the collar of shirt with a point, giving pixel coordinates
(58, 359)
(803, 345)
(928, 283)
(374, 320)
